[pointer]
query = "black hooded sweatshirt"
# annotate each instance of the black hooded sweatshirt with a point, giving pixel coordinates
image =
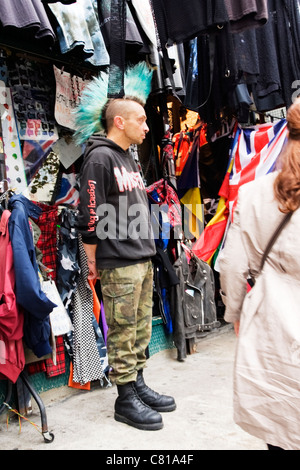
(113, 209)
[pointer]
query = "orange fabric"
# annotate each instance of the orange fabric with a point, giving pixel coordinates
(182, 153)
(73, 384)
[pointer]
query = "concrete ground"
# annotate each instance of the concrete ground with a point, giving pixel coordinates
(201, 385)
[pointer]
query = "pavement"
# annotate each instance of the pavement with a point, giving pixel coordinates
(203, 419)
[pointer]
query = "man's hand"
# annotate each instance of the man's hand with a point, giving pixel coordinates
(93, 273)
(91, 259)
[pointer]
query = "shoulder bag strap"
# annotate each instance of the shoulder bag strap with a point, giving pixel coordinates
(274, 237)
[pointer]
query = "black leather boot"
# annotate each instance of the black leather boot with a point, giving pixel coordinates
(130, 409)
(151, 398)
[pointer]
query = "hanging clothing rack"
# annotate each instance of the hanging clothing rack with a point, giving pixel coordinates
(22, 378)
(82, 69)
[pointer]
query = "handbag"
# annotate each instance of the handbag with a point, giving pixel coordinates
(272, 240)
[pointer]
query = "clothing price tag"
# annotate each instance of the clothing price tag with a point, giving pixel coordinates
(59, 318)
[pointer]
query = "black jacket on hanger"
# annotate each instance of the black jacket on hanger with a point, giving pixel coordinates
(192, 302)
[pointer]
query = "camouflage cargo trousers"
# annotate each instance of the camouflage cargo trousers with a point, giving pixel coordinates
(127, 299)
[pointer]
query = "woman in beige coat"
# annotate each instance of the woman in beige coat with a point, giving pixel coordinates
(267, 319)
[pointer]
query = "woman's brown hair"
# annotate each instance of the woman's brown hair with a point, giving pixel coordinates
(287, 183)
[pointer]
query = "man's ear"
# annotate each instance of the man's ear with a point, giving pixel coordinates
(119, 122)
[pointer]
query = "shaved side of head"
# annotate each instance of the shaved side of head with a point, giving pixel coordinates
(118, 107)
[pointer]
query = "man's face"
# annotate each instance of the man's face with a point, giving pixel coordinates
(135, 126)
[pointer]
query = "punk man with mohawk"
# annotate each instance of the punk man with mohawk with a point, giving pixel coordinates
(120, 256)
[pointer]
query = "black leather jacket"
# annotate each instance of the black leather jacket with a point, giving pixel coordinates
(193, 306)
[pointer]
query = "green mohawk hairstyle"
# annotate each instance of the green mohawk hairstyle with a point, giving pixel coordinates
(137, 81)
(88, 115)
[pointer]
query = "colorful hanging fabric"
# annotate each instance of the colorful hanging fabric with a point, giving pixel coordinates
(67, 256)
(210, 239)
(96, 320)
(163, 194)
(193, 213)
(182, 144)
(255, 154)
(12, 359)
(73, 384)
(47, 241)
(188, 187)
(35, 153)
(52, 370)
(87, 363)
(103, 322)
(68, 92)
(78, 27)
(15, 172)
(68, 192)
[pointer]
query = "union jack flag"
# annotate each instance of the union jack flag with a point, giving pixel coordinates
(68, 193)
(254, 154)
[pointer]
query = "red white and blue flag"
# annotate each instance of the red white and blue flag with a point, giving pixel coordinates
(255, 154)
(68, 193)
(34, 155)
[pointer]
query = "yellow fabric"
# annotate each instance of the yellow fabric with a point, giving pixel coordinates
(193, 211)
